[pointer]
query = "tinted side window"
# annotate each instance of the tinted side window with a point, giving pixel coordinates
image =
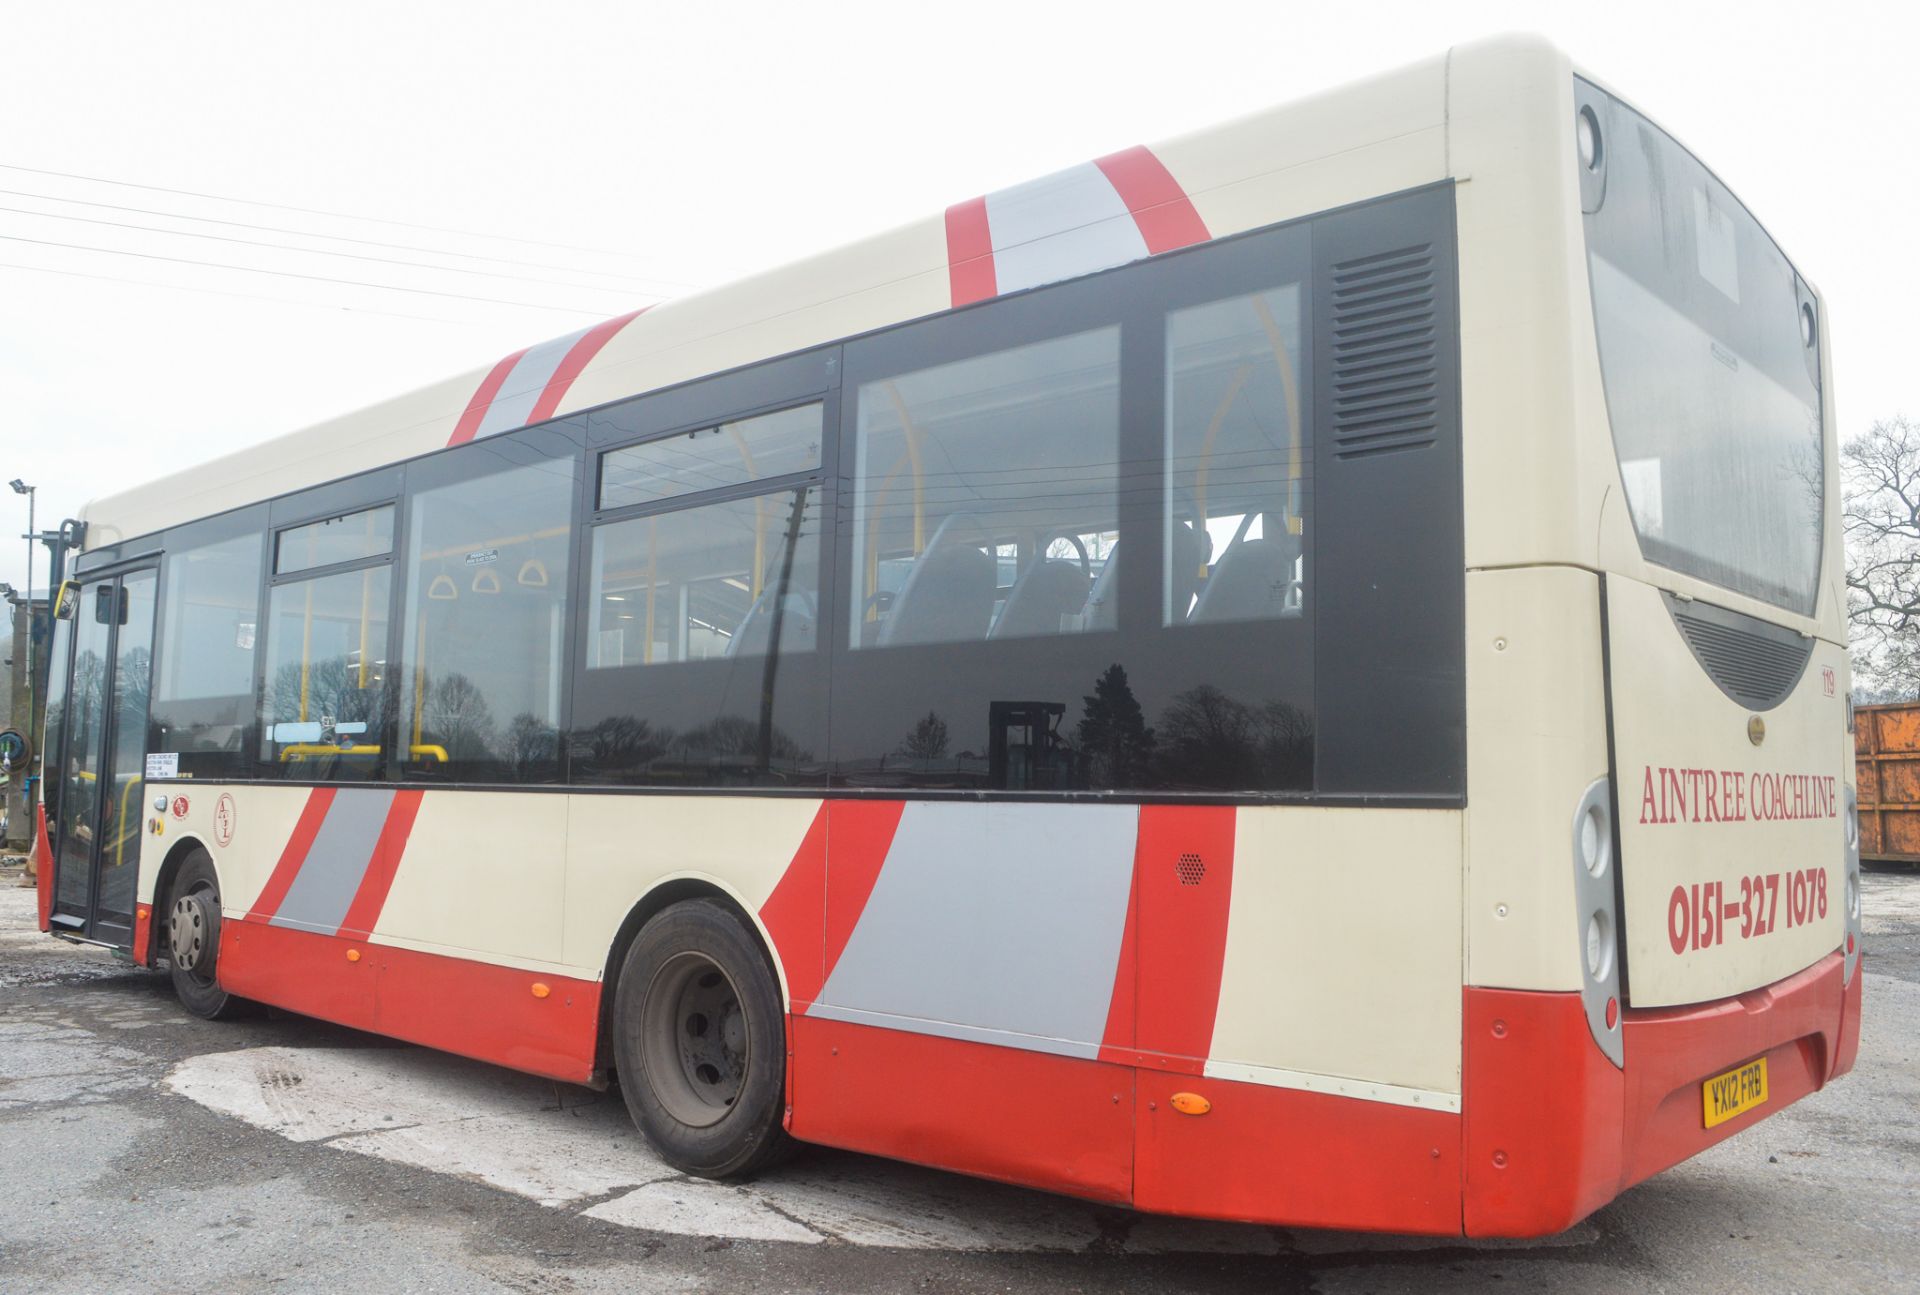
(324, 711)
(1080, 562)
(203, 706)
(1236, 453)
(700, 657)
(985, 494)
(709, 458)
(699, 584)
(486, 613)
(364, 534)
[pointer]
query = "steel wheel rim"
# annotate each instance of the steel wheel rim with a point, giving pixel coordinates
(191, 933)
(694, 1046)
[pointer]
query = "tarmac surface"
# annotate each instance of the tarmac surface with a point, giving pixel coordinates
(141, 1148)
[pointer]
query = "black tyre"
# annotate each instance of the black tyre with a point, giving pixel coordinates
(193, 940)
(699, 1039)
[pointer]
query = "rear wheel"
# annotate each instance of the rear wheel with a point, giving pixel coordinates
(700, 1042)
(193, 940)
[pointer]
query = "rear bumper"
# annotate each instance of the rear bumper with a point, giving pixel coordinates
(1554, 1130)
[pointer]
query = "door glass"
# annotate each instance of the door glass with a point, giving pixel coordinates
(80, 772)
(127, 734)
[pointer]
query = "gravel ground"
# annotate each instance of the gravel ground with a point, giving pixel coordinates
(112, 1181)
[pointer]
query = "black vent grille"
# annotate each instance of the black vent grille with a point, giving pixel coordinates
(1754, 663)
(1386, 356)
(1192, 869)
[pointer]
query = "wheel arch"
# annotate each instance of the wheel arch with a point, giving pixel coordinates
(661, 895)
(155, 922)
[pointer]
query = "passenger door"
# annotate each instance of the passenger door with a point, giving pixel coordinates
(102, 772)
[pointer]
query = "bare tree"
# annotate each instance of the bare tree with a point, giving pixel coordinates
(1881, 524)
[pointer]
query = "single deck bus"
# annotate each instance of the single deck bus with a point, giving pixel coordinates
(1296, 674)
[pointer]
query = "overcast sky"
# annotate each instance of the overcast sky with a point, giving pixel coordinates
(687, 144)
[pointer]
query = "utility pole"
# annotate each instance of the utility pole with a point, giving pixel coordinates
(32, 493)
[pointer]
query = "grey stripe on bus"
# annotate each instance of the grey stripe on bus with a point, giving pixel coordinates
(324, 888)
(521, 391)
(1087, 1051)
(1069, 223)
(1002, 918)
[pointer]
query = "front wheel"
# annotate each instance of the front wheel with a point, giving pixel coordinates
(700, 1042)
(193, 940)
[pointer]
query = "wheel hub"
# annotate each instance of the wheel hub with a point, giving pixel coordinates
(190, 931)
(695, 1042)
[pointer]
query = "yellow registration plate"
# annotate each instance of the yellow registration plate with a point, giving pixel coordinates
(1740, 1089)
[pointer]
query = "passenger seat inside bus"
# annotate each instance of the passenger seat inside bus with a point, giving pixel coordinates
(947, 597)
(798, 627)
(1191, 550)
(1251, 581)
(1046, 591)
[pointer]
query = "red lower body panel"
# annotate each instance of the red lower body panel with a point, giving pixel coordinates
(1278, 1155)
(1032, 1118)
(475, 1009)
(1554, 1131)
(1109, 1132)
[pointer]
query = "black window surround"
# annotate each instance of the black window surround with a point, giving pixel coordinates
(1382, 647)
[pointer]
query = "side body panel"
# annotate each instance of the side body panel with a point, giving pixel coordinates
(1015, 991)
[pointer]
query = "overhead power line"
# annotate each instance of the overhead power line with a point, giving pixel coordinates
(315, 211)
(596, 312)
(645, 280)
(246, 296)
(310, 251)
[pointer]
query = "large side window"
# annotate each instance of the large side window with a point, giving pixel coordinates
(985, 495)
(203, 704)
(1236, 454)
(701, 653)
(325, 703)
(483, 635)
(1078, 544)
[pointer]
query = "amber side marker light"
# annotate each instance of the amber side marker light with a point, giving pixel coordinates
(353, 955)
(540, 990)
(1191, 1104)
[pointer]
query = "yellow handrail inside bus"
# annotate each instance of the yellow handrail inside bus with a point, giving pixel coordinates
(759, 508)
(120, 841)
(366, 601)
(1287, 384)
(294, 752)
(306, 646)
(873, 531)
(653, 534)
(1234, 388)
(912, 433)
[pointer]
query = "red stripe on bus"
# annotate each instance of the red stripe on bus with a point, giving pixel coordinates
(970, 271)
(859, 834)
(475, 1009)
(1184, 869)
(476, 410)
(795, 914)
(43, 867)
(371, 897)
(576, 359)
(1160, 207)
(305, 828)
(1116, 1041)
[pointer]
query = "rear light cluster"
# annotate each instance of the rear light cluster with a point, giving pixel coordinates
(1594, 895)
(1850, 888)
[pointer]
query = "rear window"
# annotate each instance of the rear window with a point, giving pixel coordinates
(1709, 353)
